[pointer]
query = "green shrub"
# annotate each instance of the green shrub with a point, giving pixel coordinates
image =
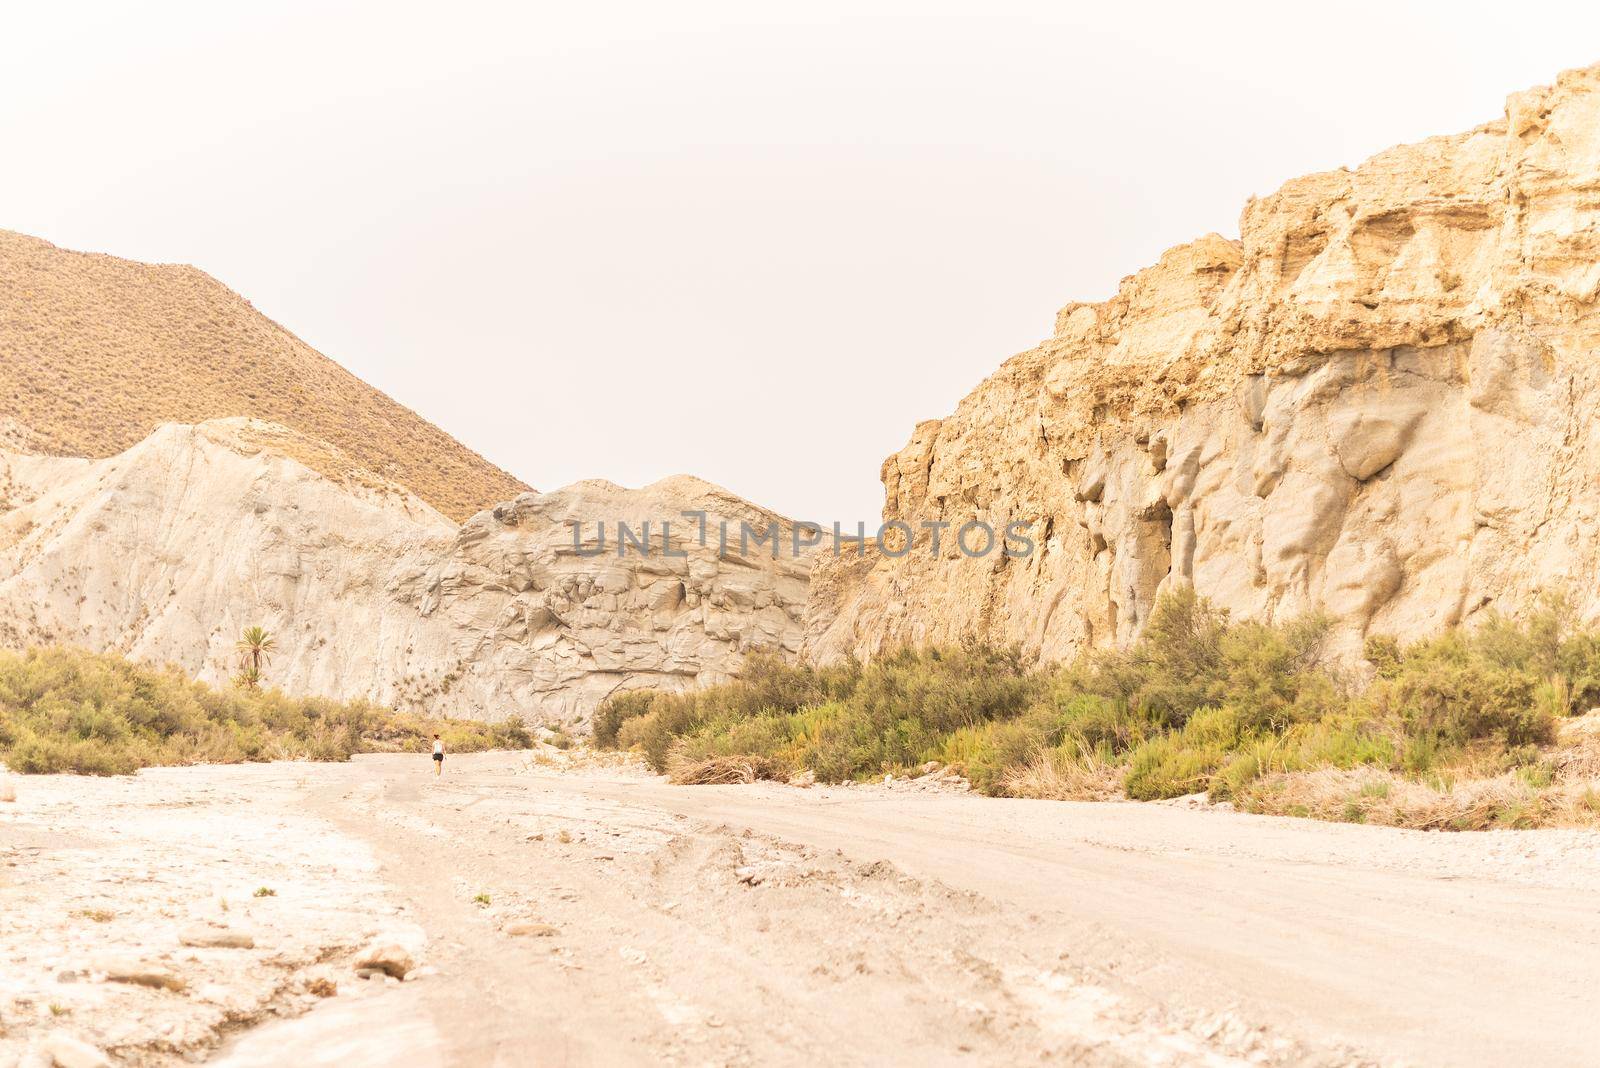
(67, 710)
(616, 710)
(1198, 703)
(1191, 657)
(669, 716)
(824, 742)
(1463, 686)
(33, 755)
(1169, 766)
(512, 733)
(1002, 747)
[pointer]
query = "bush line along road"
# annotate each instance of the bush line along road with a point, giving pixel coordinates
(1463, 731)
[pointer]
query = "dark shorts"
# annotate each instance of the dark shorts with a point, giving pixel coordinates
(438, 756)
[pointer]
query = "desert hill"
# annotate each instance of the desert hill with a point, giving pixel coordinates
(165, 551)
(174, 466)
(96, 352)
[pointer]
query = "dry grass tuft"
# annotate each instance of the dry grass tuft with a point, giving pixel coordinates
(1379, 796)
(100, 351)
(1055, 776)
(726, 771)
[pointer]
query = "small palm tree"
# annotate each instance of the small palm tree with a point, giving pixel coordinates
(255, 647)
(249, 678)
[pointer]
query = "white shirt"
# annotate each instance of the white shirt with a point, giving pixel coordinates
(438, 747)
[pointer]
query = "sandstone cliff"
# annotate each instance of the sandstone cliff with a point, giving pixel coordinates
(1377, 403)
(96, 352)
(165, 551)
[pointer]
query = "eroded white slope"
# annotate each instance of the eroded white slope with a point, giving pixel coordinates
(166, 551)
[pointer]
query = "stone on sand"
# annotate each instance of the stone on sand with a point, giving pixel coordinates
(138, 973)
(390, 958)
(210, 936)
(65, 1051)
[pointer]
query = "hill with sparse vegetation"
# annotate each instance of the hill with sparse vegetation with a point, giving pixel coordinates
(96, 352)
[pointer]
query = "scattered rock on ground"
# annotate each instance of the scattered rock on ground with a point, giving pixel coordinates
(390, 958)
(1582, 726)
(211, 936)
(65, 1051)
(528, 929)
(140, 973)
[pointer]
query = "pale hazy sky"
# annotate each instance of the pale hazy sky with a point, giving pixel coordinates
(752, 242)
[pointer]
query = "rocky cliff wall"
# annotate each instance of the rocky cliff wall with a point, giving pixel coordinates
(1379, 403)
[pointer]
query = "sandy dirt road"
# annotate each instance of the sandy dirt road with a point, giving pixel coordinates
(771, 925)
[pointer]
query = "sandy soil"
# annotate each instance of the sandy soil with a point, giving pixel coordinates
(600, 916)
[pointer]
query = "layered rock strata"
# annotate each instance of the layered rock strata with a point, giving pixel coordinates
(1378, 403)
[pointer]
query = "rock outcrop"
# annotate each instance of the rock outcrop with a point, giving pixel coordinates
(1378, 403)
(544, 610)
(166, 551)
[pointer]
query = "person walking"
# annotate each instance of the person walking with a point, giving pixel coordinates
(438, 757)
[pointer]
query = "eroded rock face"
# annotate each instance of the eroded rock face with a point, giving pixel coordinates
(166, 551)
(539, 618)
(1378, 404)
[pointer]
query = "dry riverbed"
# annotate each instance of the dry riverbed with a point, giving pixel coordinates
(590, 914)
(154, 915)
